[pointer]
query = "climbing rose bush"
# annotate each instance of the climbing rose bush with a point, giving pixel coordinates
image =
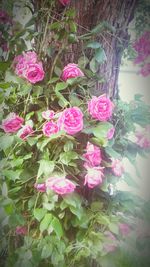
(100, 108)
(71, 71)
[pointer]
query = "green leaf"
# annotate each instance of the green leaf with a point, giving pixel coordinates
(100, 55)
(4, 190)
(94, 65)
(6, 141)
(57, 227)
(68, 146)
(73, 26)
(46, 251)
(46, 167)
(130, 181)
(12, 175)
(44, 143)
(46, 222)
(68, 156)
(61, 86)
(94, 45)
(39, 213)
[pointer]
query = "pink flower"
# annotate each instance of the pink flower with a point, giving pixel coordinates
(12, 123)
(145, 70)
(143, 138)
(40, 187)
(25, 131)
(92, 156)
(28, 67)
(117, 167)
(21, 230)
(124, 229)
(142, 47)
(64, 2)
(48, 114)
(34, 72)
(110, 133)
(5, 18)
(100, 108)
(71, 120)
(71, 71)
(110, 247)
(94, 177)
(60, 186)
(50, 128)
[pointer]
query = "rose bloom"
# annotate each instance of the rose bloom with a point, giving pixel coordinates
(145, 71)
(71, 71)
(40, 187)
(12, 123)
(143, 138)
(64, 2)
(117, 167)
(71, 120)
(94, 177)
(30, 57)
(50, 128)
(110, 247)
(34, 72)
(100, 108)
(110, 133)
(21, 230)
(142, 47)
(25, 131)
(124, 229)
(60, 185)
(48, 114)
(5, 18)
(92, 156)
(20, 65)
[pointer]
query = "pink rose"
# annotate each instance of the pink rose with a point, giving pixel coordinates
(48, 114)
(25, 131)
(71, 71)
(142, 47)
(145, 71)
(110, 133)
(34, 72)
(117, 167)
(94, 177)
(28, 67)
(124, 229)
(100, 108)
(71, 120)
(64, 2)
(40, 187)
(92, 156)
(60, 186)
(21, 230)
(112, 245)
(12, 123)
(50, 128)
(143, 138)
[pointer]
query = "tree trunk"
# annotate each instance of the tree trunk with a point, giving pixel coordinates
(118, 13)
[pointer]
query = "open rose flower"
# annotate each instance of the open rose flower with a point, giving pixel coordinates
(50, 128)
(143, 138)
(12, 123)
(40, 187)
(117, 167)
(25, 131)
(60, 185)
(64, 2)
(124, 229)
(21, 230)
(71, 120)
(92, 156)
(100, 108)
(34, 72)
(110, 133)
(27, 66)
(48, 114)
(71, 71)
(94, 177)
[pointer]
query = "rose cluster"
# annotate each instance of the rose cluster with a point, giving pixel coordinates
(28, 67)
(142, 47)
